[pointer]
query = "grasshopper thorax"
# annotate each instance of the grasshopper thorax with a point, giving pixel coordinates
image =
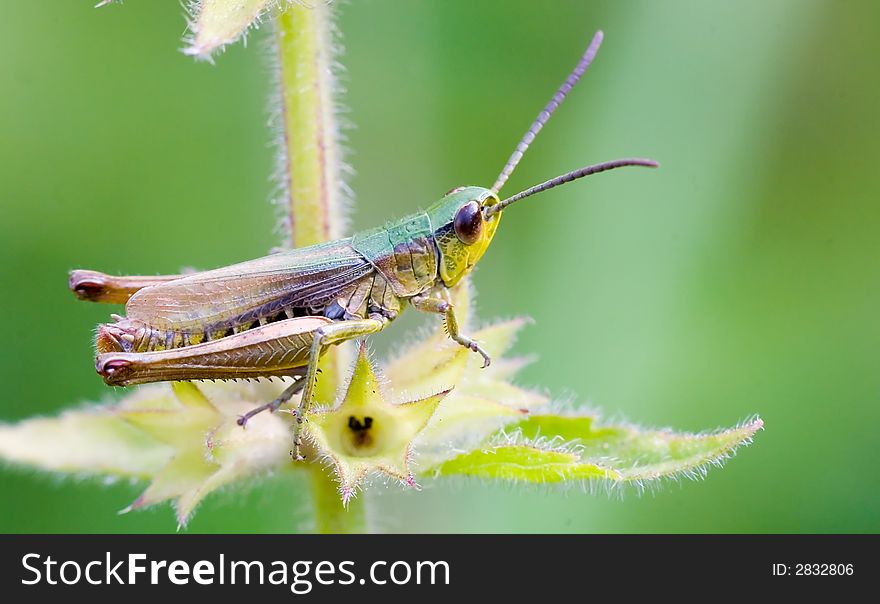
(463, 229)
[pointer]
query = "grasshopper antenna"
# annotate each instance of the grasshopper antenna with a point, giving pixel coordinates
(570, 176)
(548, 110)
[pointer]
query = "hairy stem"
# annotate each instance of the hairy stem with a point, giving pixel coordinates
(311, 174)
(312, 185)
(310, 163)
(330, 515)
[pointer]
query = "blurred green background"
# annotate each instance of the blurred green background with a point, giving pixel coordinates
(743, 277)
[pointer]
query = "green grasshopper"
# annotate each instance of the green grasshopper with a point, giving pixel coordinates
(276, 315)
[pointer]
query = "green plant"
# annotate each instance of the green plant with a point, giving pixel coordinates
(461, 420)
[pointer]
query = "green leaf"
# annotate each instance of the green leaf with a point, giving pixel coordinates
(522, 463)
(215, 23)
(564, 427)
(94, 441)
(647, 455)
(483, 400)
(557, 448)
(182, 474)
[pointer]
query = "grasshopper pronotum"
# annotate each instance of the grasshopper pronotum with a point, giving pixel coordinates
(275, 316)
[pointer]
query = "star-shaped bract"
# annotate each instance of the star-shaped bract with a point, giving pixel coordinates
(365, 433)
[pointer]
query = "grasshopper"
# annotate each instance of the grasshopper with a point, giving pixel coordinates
(276, 315)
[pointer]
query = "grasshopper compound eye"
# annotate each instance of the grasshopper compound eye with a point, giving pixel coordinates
(468, 223)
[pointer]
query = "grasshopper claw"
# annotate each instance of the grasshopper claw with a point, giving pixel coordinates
(487, 360)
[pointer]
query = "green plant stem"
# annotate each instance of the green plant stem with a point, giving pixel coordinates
(311, 162)
(311, 176)
(330, 515)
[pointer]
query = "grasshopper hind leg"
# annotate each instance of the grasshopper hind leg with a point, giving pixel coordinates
(288, 393)
(111, 289)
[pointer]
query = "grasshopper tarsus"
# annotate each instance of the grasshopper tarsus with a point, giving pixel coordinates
(487, 360)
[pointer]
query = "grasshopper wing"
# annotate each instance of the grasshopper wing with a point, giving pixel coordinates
(304, 278)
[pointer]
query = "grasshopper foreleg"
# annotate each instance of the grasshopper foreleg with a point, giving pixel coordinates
(323, 337)
(442, 307)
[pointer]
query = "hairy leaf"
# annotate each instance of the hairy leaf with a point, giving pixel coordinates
(92, 441)
(523, 463)
(216, 23)
(556, 448)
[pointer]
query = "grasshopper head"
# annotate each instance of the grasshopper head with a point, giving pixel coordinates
(462, 229)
